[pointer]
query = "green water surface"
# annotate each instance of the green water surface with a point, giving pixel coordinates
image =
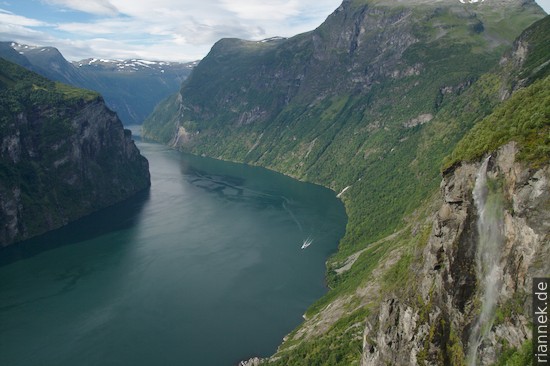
(206, 268)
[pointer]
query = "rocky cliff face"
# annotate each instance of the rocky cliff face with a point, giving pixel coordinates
(434, 325)
(63, 155)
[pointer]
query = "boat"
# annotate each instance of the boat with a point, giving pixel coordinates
(307, 243)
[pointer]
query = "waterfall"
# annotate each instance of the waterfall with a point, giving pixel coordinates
(490, 208)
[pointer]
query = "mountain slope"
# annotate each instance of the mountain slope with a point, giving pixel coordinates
(369, 104)
(414, 296)
(63, 155)
(448, 310)
(131, 88)
(348, 104)
(8, 53)
(50, 63)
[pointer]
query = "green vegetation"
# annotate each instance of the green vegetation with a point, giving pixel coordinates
(165, 115)
(536, 65)
(340, 345)
(513, 306)
(524, 118)
(517, 357)
(21, 89)
(70, 92)
(455, 350)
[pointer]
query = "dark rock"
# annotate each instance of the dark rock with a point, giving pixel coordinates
(63, 155)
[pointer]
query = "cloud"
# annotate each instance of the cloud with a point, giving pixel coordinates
(7, 17)
(265, 10)
(174, 30)
(102, 27)
(18, 28)
(13, 32)
(98, 7)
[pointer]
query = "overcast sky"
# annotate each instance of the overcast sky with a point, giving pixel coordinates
(172, 30)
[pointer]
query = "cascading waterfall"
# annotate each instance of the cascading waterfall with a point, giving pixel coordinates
(490, 208)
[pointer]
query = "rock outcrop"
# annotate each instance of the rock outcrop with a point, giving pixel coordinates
(63, 155)
(433, 324)
(252, 362)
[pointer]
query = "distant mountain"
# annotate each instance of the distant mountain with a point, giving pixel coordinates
(50, 63)
(131, 88)
(63, 155)
(372, 104)
(7, 52)
(132, 66)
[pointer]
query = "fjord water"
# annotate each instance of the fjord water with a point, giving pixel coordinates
(206, 268)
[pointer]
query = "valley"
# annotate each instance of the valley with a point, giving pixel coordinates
(428, 120)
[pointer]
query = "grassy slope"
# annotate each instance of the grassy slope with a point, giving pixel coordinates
(17, 80)
(525, 119)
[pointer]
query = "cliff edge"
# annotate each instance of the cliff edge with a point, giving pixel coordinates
(63, 155)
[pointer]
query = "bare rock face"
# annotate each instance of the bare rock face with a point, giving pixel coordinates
(252, 362)
(61, 163)
(433, 323)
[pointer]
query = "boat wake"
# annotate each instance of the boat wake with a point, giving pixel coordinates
(285, 207)
(307, 242)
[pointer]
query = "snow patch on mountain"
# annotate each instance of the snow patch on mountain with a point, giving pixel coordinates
(134, 65)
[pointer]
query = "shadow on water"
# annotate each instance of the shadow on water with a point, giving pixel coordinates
(120, 216)
(235, 181)
(231, 188)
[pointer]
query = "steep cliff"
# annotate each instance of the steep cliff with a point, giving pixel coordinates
(63, 155)
(434, 322)
(421, 296)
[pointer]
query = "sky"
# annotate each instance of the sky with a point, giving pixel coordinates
(169, 30)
